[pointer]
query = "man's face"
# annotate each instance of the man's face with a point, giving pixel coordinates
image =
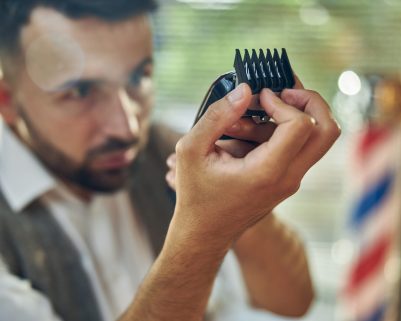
(84, 95)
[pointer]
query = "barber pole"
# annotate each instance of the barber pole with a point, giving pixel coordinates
(370, 292)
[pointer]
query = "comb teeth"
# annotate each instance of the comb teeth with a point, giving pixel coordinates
(265, 70)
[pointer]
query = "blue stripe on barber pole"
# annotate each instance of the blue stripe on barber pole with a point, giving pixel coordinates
(378, 314)
(372, 199)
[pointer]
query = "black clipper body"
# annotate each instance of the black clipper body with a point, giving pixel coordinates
(258, 71)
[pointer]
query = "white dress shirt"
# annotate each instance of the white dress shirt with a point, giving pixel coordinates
(111, 241)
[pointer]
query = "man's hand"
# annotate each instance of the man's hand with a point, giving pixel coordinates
(271, 255)
(222, 195)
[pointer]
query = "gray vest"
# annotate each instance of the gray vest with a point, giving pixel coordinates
(36, 248)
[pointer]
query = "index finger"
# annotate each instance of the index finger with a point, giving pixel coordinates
(293, 130)
(327, 128)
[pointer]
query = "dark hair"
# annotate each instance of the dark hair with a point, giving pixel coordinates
(14, 14)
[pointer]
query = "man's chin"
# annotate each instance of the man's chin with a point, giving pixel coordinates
(105, 181)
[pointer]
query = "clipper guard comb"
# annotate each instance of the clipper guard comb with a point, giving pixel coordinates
(259, 70)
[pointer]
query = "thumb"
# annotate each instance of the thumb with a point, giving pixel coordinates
(219, 117)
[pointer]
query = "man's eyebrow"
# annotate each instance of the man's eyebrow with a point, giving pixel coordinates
(77, 83)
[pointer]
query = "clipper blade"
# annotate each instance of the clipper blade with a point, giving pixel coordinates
(259, 70)
(264, 70)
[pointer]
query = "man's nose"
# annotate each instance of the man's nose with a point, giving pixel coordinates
(120, 116)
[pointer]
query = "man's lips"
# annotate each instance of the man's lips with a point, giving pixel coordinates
(114, 160)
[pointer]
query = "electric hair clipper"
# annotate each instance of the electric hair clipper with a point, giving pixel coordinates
(263, 70)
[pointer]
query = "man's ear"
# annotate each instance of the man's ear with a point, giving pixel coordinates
(7, 110)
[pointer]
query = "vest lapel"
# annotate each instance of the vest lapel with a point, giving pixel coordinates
(37, 249)
(153, 200)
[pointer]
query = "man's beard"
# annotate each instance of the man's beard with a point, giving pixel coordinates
(106, 181)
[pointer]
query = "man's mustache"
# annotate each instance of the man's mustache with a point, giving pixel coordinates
(113, 145)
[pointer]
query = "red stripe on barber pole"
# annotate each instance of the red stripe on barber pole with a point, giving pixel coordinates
(371, 260)
(373, 137)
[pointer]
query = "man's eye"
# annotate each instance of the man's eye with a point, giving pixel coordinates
(79, 92)
(137, 77)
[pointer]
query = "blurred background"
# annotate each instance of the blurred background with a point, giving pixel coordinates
(341, 49)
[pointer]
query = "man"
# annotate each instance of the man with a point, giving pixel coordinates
(83, 196)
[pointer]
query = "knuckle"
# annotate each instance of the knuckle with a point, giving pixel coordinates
(179, 147)
(183, 146)
(332, 130)
(337, 130)
(317, 99)
(288, 97)
(313, 94)
(290, 188)
(304, 123)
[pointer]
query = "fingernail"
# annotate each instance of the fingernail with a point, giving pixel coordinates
(269, 93)
(235, 128)
(169, 176)
(267, 90)
(171, 161)
(236, 94)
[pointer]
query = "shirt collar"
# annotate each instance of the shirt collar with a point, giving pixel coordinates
(22, 176)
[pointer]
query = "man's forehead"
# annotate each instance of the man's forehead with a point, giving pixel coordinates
(58, 48)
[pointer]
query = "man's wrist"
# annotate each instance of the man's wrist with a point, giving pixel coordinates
(195, 237)
(181, 279)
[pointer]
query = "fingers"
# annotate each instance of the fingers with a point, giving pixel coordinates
(170, 179)
(172, 161)
(278, 109)
(293, 130)
(219, 116)
(246, 129)
(302, 98)
(326, 131)
(170, 176)
(313, 104)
